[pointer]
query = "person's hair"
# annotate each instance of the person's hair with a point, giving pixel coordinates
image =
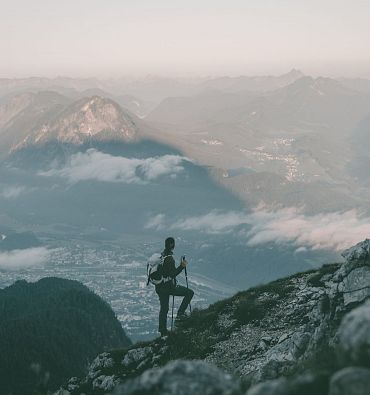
(169, 243)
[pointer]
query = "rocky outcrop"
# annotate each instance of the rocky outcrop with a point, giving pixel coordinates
(88, 118)
(356, 273)
(308, 333)
(31, 119)
(360, 253)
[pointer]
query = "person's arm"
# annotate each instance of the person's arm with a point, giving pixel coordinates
(169, 268)
(180, 268)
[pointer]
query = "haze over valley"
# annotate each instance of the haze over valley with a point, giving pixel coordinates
(257, 177)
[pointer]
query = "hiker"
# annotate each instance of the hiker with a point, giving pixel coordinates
(170, 288)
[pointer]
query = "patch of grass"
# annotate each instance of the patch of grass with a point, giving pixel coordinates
(315, 279)
(245, 306)
(281, 288)
(197, 335)
(189, 345)
(204, 319)
(251, 309)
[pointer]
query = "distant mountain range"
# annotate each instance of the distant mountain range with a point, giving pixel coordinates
(306, 136)
(253, 84)
(300, 136)
(142, 95)
(295, 142)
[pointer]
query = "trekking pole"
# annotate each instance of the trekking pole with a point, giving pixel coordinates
(187, 285)
(173, 302)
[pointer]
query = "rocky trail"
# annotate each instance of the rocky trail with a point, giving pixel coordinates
(305, 334)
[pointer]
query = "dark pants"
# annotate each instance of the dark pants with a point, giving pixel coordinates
(164, 298)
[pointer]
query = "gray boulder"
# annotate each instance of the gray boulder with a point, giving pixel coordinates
(350, 381)
(353, 278)
(356, 286)
(182, 378)
(354, 335)
(137, 355)
(103, 360)
(359, 252)
(299, 343)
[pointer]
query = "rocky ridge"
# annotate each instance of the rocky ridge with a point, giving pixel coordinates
(308, 333)
(37, 118)
(93, 117)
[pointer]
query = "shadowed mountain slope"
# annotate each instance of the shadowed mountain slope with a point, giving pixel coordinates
(50, 330)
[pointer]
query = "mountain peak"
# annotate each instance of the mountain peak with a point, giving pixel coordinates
(320, 86)
(90, 117)
(294, 74)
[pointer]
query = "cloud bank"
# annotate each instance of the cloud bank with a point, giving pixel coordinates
(20, 259)
(99, 166)
(332, 231)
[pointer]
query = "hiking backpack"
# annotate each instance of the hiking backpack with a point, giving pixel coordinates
(154, 269)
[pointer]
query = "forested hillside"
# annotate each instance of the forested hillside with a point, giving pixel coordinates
(51, 330)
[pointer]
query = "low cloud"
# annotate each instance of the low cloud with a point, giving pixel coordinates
(332, 231)
(11, 192)
(156, 222)
(96, 165)
(20, 259)
(213, 222)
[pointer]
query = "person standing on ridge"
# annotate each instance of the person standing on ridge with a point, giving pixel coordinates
(170, 288)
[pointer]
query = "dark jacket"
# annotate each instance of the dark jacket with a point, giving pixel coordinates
(169, 270)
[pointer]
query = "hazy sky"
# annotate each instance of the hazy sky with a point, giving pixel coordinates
(207, 37)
